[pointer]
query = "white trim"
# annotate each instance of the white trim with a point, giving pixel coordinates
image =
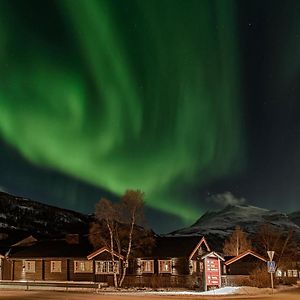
(83, 266)
(108, 265)
(151, 261)
(29, 266)
(213, 253)
(104, 249)
(165, 271)
(203, 240)
(55, 266)
(240, 256)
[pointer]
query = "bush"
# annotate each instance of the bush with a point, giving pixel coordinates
(259, 277)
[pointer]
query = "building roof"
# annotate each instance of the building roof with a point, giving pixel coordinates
(245, 253)
(183, 246)
(212, 253)
(30, 240)
(104, 249)
(51, 248)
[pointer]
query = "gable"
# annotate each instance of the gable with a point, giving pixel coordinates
(103, 254)
(213, 255)
(246, 256)
(174, 246)
(200, 249)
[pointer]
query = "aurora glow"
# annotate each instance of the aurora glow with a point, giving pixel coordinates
(149, 102)
(126, 95)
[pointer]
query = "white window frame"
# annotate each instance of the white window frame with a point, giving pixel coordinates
(83, 266)
(29, 266)
(55, 266)
(106, 267)
(147, 266)
(166, 262)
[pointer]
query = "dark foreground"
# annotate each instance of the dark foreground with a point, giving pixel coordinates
(293, 294)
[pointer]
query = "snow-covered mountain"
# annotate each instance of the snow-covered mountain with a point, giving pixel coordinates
(295, 217)
(20, 217)
(218, 225)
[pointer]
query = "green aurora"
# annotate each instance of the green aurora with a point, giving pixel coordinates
(142, 94)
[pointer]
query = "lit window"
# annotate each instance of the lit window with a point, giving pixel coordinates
(83, 266)
(165, 266)
(147, 266)
(106, 267)
(295, 273)
(29, 266)
(279, 273)
(55, 266)
(290, 273)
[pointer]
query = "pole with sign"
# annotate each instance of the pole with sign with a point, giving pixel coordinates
(271, 267)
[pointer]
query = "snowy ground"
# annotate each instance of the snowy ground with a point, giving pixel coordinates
(221, 291)
(220, 294)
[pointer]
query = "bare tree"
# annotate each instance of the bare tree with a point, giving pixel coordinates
(132, 212)
(282, 242)
(106, 213)
(118, 227)
(237, 243)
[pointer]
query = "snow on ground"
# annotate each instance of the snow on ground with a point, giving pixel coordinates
(221, 291)
(242, 290)
(229, 290)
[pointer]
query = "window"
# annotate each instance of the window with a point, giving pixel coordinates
(165, 266)
(83, 266)
(292, 273)
(55, 266)
(147, 266)
(29, 266)
(194, 266)
(106, 267)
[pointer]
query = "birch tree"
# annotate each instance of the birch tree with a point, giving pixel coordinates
(237, 243)
(106, 213)
(119, 227)
(132, 212)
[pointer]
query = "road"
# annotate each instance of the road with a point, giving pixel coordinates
(45, 295)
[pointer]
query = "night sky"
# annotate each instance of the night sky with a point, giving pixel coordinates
(183, 99)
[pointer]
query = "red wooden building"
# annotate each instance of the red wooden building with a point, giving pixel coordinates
(174, 261)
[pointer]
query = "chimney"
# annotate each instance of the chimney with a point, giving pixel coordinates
(72, 239)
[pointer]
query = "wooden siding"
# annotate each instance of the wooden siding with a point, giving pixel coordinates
(235, 280)
(161, 280)
(244, 266)
(6, 269)
(20, 274)
(63, 275)
(79, 276)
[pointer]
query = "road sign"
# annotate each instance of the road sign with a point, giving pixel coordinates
(271, 266)
(271, 254)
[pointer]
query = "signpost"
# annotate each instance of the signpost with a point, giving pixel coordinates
(212, 270)
(271, 267)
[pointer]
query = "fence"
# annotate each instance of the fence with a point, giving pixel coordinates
(51, 285)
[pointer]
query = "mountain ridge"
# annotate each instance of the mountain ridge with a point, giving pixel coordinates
(20, 217)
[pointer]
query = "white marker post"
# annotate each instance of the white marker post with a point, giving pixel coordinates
(271, 255)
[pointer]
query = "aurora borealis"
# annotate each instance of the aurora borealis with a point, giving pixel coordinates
(152, 95)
